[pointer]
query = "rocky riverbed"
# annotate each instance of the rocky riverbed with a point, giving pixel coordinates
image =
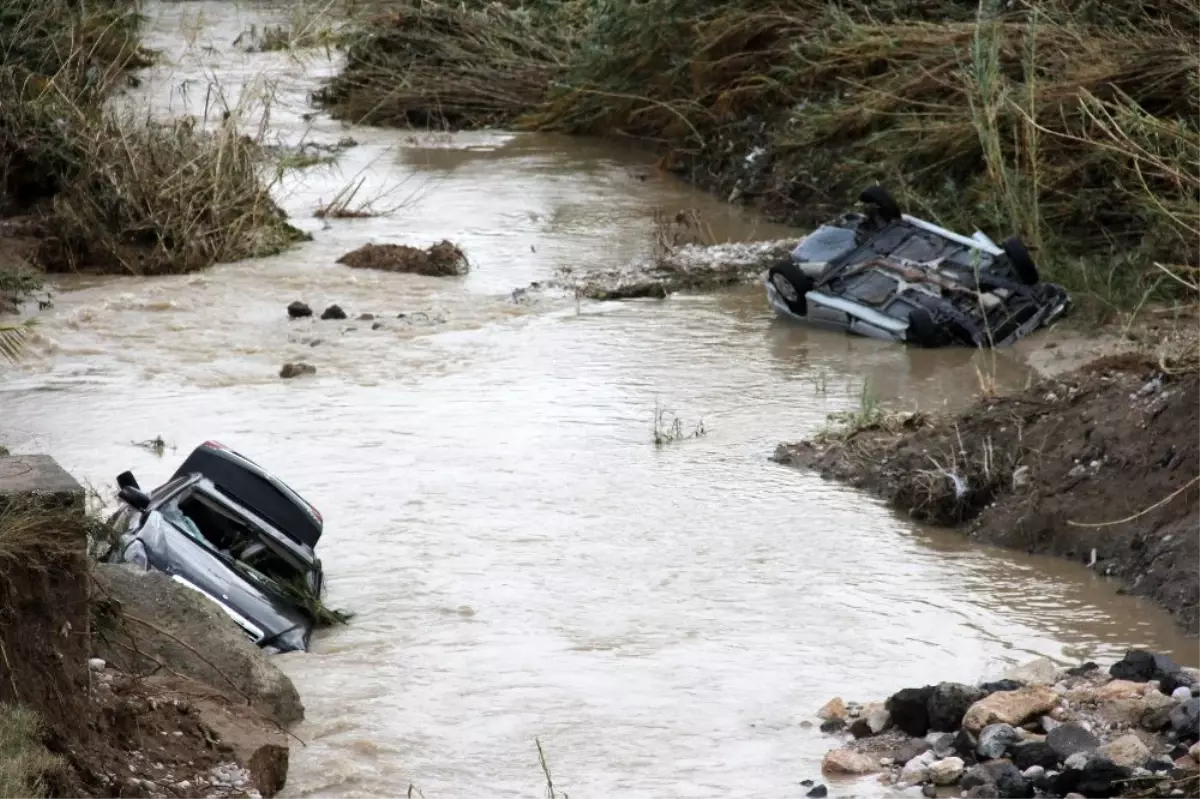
(1038, 730)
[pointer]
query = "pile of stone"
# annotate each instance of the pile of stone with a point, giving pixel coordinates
(1039, 731)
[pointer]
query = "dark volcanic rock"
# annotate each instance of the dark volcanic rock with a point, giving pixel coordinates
(964, 746)
(1068, 739)
(1099, 777)
(909, 710)
(833, 725)
(1000, 774)
(1082, 669)
(1169, 682)
(948, 703)
(298, 310)
(1138, 665)
(333, 312)
(817, 791)
(291, 370)
(1001, 685)
(1035, 753)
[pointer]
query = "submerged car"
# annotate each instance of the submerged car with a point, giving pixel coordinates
(224, 526)
(888, 275)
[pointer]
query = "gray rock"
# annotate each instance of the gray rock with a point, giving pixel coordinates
(96, 664)
(1185, 720)
(987, 791)
(187, 616)
(1068, 739)
(1001, 776)
(1033, 772)
(948, 703)
(995, 739)
(929, 791)
(942, 743)
(298, 310)
(1182, 693)
(333, 312)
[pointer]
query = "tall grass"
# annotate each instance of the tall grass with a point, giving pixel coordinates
(1074, 124)
(110, 189)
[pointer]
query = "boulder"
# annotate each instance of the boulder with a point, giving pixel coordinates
(942, 743)
(1127, 751)
(833, 725)
(1154, 711)
(298, 310)
(1120, 689)
(946, 771)
(1035, 754)
(1139, 665)
(1041, 671)
(1184, 678)
(995, 739)
(908, 709)
(1010, 707)
(948, 703)
(333, 312)
(1069, 739)
(999, 685)
(192, 637)
(833, 709)
(847, 761)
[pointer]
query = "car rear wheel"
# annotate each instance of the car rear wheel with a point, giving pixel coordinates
(878, 196)
(792, 285)
(1021, 260)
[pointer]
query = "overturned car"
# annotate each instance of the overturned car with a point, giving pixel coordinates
(888, 275)
(224, 526)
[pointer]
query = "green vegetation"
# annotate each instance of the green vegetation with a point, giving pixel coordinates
(1071, 123)
(111, 190)
(24, 761)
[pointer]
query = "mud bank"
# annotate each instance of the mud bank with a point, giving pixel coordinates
(101, 694)
(1098, 465)
(1039, 729)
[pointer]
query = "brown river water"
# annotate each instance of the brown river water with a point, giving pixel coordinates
(524, 562)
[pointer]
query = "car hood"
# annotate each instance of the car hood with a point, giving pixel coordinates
(268, 619)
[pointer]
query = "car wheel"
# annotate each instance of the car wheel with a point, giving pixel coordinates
(1021, 260)
(921, 330)
(792, 284)
(879, 197)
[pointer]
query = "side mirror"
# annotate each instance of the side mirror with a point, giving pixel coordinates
(134, 497)
(127, 480)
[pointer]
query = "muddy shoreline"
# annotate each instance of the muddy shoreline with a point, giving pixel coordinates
(1098, 465)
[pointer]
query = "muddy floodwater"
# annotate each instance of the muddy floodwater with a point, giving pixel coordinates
(523, 560)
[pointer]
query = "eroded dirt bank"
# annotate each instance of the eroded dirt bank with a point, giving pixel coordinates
(1098, 465)
(73, 724)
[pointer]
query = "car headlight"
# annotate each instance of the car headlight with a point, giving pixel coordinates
(136, 553)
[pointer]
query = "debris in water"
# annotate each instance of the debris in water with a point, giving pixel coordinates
(291, 370)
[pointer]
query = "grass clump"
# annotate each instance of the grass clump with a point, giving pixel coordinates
(461, 66)
(112, 190)
(24, 761)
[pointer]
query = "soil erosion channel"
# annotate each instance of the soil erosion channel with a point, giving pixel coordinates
(522, 559)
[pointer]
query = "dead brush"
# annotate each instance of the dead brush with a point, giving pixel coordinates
(434, 64)
(668, 427)
(36, 535)
(670, 231)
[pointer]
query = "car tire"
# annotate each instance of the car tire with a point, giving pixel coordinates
(800, 283)
(887, 206)
(1021, 260)
(921, 330)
